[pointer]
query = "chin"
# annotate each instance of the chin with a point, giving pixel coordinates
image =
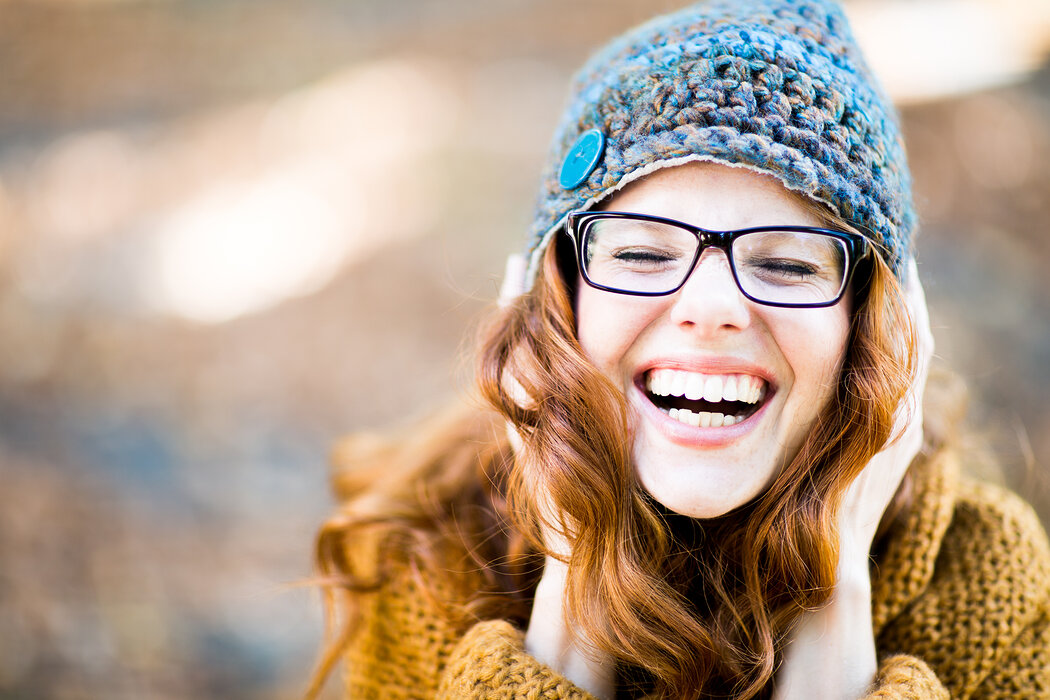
(701, 491)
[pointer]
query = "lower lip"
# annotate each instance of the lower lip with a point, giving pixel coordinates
(690, 436)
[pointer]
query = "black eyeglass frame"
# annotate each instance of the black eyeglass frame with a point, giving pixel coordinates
(577, 222)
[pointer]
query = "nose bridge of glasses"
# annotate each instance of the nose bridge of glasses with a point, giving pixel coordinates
(707, 238)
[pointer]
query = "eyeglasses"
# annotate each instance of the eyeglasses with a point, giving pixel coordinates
(791, 266)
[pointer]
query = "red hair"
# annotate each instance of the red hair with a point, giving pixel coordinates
(686, 607)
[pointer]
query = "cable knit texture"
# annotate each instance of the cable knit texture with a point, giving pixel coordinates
(778, 86)
(961, 598)
(490, 662)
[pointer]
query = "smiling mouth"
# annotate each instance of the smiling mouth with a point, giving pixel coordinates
(705, 400)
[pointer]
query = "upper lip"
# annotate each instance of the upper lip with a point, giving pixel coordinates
(707, 365)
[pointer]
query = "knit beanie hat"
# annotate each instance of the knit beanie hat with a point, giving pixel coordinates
(778, 86)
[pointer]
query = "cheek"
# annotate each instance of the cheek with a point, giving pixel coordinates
(608, 325)
(815, 349)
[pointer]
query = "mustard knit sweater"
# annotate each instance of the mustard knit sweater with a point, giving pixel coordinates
(960, 603)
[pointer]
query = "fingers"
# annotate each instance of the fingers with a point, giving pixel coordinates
(556, 529)
(915, 297)
(868, 496)
(555, 526)
(909, 414)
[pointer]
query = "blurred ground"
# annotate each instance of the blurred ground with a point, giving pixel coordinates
(231, 231)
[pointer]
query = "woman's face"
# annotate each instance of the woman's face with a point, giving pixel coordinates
(709, 335)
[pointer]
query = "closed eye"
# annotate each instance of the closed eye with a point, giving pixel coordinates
(643, 255)
(782, 267)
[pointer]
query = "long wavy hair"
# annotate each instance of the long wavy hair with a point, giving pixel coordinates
(688, 608)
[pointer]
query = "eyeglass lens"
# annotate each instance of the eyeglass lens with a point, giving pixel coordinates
(783, 267)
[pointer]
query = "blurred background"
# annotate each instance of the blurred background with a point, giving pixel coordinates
(234, 230)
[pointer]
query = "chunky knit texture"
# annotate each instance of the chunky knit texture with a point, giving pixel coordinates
(961, 599)
(778, 86)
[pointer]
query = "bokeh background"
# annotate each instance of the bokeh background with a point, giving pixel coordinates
(234, 230)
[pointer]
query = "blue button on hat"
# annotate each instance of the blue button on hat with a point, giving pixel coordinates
(582, 159)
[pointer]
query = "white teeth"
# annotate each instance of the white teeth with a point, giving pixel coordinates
(713, 389)
(654, 383)
(703, 419)
(694, 388)
(686, 416)
(749, 389)
(709, 387)
(729, 390)
(759, 392)
(678, 383)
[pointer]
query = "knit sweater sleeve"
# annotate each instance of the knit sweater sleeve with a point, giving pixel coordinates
(904, 676)
(1022, 672)
(400, 642)
(405, 647)
(980, 628)
(490, 662)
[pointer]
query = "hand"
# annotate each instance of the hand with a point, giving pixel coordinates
(549, 641)
(867, 498)
(832, 650)
(548, 638)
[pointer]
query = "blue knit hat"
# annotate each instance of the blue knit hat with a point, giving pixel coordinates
(778, 86)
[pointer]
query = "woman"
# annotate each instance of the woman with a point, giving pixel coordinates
(703, 474)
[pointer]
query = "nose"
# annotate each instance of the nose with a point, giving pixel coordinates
(710, 300)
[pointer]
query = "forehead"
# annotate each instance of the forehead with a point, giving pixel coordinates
(718, 196)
